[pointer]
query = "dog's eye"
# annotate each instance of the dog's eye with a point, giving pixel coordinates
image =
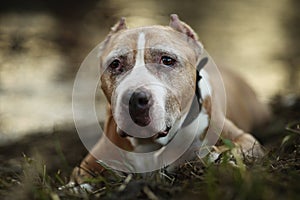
(115, 64)
(168, 61)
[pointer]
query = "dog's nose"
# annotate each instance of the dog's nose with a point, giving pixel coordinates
(140, 100)
(139, 105)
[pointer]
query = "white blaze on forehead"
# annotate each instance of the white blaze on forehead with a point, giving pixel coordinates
(140, 50)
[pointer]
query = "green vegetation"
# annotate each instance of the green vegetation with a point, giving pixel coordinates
(34, 168)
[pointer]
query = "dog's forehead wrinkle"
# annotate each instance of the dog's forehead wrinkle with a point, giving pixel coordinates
(182, 50)
(164, 48)
(116, 53)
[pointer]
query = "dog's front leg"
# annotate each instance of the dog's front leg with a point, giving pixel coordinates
(90, 167)
(246, 143)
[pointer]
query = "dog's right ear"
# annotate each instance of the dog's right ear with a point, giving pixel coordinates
(120, 25)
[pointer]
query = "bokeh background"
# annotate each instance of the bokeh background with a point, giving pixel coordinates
(43, 42)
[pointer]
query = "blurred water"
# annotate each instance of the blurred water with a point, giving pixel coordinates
(41, 50)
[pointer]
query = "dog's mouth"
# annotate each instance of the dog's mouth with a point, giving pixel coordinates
(160, 134)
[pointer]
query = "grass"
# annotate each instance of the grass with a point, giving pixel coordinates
(36, 166)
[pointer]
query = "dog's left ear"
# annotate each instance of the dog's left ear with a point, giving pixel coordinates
(182, 27)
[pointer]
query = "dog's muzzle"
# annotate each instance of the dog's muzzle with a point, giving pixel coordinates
(139, 103)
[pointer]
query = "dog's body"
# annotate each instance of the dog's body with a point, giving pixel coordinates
(150, 73)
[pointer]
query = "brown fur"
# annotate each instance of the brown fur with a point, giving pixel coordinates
(244, 111)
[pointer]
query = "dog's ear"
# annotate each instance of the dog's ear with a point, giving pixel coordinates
(120, 25)
(182, 27)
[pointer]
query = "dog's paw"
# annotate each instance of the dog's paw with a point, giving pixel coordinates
(248, 146)
(229, 155)
(235, 153)
(78, 181)
(77, 188)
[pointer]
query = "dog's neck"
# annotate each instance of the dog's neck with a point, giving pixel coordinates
(196, 105)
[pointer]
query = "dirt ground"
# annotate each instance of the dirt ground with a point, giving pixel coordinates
(35, 166)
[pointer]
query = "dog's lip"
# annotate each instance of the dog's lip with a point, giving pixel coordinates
(160, 134)
(163, 133)
(122, 133)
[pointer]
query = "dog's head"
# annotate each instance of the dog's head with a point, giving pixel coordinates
(149, 77)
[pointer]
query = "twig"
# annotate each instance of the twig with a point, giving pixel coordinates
(149, 193)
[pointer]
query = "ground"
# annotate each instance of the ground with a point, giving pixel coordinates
(35, 166)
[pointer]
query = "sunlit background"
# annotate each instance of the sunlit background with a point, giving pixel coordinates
(42, 44)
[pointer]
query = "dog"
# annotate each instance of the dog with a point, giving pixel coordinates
(153, 80)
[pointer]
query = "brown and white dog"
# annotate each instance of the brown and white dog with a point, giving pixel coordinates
(149, 76)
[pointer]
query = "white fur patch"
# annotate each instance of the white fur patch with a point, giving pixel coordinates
(204, 122)
(205, 89)
(204, 85)
(140, 50)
